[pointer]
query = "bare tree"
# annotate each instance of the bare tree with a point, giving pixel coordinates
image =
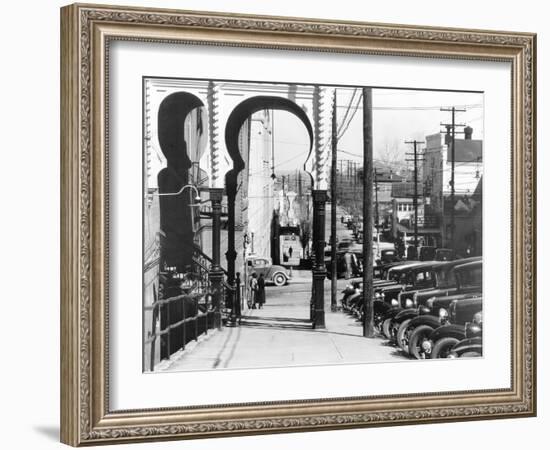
(390, 155)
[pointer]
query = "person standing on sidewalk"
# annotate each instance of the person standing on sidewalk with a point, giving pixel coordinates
(260, 297)
(253, 291)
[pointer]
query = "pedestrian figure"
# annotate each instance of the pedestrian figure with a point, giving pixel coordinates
(253, 291)
(260, 295)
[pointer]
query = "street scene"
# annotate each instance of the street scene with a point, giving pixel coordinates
(298, 225)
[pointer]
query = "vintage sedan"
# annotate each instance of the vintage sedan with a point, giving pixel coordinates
(443, 339)
(272, 273)
(472, 345)
(413, 278)
(417, 323)
(445, 284)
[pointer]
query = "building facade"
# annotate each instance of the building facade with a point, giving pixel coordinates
(437, 181)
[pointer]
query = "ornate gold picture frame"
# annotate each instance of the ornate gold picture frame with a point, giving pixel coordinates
(86, 34)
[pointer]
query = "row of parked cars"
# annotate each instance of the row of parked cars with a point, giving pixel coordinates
(429, 309)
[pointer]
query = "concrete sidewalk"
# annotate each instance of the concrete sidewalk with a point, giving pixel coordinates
(280, 335)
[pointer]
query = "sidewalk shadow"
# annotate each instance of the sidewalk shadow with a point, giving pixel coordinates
(279, 319)
(282, 326)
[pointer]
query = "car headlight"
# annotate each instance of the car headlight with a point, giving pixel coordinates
(377, 295)
(408, 303)
(443, 313)
(394, 302)
(423, 310)
(472, 330)
(478, 318)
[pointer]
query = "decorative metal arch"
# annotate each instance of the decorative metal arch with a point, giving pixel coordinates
(172, 113)
(175, 220)
(238, 117)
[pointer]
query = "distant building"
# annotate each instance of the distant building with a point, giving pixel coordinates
(258, 199)
(403, 196)
(385, 179)
(437, 173)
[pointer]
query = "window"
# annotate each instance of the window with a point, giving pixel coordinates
(471, 277)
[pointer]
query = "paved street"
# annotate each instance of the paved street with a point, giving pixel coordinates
(280, 335)
(342, 231)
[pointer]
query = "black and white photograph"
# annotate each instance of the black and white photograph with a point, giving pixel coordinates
(291, 224)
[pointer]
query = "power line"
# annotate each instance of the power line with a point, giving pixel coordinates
(419, 108)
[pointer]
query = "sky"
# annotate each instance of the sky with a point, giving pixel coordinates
(398, 116)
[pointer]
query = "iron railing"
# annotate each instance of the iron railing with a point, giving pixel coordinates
(182, 318)
(188, 311)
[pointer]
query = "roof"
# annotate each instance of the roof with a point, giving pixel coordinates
(469, 264)
(386, 176)
(404, 189)
(478, 193)
(404, 229)
(467, 151)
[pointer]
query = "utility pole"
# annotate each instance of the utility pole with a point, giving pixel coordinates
(333, 264)
(452, 129)
(415, 198)
(368, 297)
(376, 213)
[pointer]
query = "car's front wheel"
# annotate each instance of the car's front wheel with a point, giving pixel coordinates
(443, 347)
(419, 344)
(403, 336)
(386, 330)
(279, 279)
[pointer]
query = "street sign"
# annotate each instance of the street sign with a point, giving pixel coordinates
(291, 249)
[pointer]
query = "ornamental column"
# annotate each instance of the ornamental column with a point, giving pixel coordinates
(319, 270)
(216, 272)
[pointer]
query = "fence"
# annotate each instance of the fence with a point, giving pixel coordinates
(181, 319)
(184, 309)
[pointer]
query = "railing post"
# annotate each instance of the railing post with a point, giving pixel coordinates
(184, 324)
(216, 272)
(196, 305)
(169, 331)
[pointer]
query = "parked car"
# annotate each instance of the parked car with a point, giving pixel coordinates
(426, 253)
(414, 328)
(388, 255)
(272, 273)
(472, 345)
(415, 277)
(441, 341)
(382, 271)
(444, 254)
(348, 264)
(420, 328)
(409, 300)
